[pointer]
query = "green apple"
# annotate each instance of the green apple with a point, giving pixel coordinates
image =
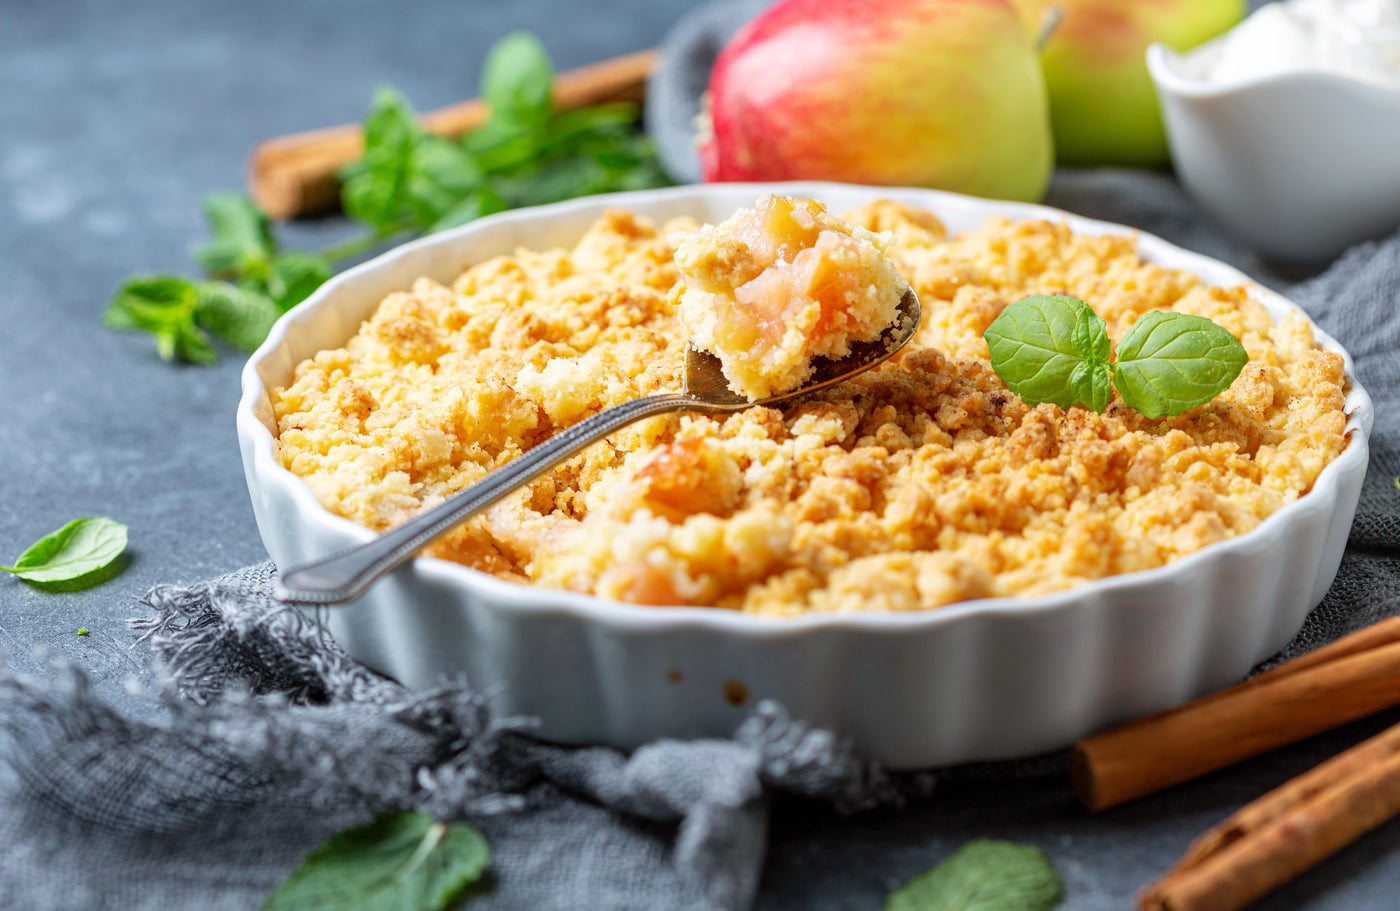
(936, 93)
(1103, 107)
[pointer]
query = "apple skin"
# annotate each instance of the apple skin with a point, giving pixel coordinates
(1103, 106)
(935, 93)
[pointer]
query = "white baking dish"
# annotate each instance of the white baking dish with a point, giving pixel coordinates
(980, 680)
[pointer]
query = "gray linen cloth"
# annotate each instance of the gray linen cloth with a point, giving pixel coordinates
(273, 739)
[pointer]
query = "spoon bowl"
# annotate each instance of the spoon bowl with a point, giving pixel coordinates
(346, 575)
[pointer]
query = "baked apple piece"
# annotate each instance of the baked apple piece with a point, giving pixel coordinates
(772, 288)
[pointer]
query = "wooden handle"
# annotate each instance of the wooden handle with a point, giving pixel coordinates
(296, 175)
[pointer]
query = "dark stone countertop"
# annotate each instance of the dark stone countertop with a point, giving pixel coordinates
(115, 118)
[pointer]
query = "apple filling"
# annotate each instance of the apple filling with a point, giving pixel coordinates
(773, 288)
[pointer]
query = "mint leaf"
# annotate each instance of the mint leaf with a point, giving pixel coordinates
(407, 178)
(1035, 347)
(374, 186)
(580, 156)
(441, 176)
(446, 164)
(517, 79)
(631, 164)
(615, 118)
(1090, 385)
(398, 862)
(240, 243)
(1054, 348)
(79, 552)
(164, 306)
(481, 202)
(149, 302)
(983, 875)
(1090, 335)
(1169, 363)
(237, 315)
(187, 343)
(501, 147)
(293, 277)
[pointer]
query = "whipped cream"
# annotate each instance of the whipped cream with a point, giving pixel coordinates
(1355, 38)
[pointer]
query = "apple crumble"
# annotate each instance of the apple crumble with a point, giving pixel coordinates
(920, 483)
(772, 288)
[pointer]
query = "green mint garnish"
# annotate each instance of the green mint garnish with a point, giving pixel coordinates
(1172, 362)
(398, 862)
(1038, 344)
(80, 554)
(408, 179)
(983, 875)
(407, 182)
(1054, 348)
(163, 305)
(517, 79)
(1089, 383)
(240, 238)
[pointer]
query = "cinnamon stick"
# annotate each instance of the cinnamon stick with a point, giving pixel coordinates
(1348, 679)
(296, 175)
(1285, 832)
(1377, 634)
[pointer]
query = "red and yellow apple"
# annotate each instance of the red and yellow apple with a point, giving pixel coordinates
(937, 93)
(1103, 107)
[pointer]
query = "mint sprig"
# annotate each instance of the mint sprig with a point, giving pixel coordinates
(983, 875)
(252, 282)
(407, 182)
(410, 179)
(79, 555)
(165, 306)
(1054, 348)
(240, 242)
(398, 862)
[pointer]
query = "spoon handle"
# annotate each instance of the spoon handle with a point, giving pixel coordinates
(345, 575)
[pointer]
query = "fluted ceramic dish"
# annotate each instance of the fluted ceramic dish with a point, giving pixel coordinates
(986, 679)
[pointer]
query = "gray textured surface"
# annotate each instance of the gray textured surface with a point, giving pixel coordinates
(116, 117)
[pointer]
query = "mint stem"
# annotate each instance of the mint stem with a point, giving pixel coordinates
(359, 244)
(425, 848)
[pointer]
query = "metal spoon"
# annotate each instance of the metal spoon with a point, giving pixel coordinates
(346, 575)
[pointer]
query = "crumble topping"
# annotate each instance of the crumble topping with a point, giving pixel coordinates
(774, 287)
(920, 483)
